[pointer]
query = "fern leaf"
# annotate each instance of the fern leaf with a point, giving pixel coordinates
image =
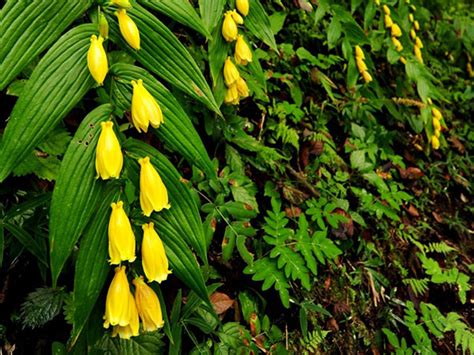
(419, 286)
(292, 263)
(304, 245)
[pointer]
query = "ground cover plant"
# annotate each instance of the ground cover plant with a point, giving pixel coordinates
(236, 177)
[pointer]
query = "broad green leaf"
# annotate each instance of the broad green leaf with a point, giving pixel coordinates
(29, 27)
(177, 131)
(258, 23)
(57, 84)
(163, 54)
(77, 192)
(211, 11)
(144, 344)
(217, 53)
(181, 11)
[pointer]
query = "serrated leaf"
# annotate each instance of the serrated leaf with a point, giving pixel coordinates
(163, 54)
(77, 192)
(258, 23)
(45, 167)
(29, 27)
(56, 142)
(41, 306)
(59, 81)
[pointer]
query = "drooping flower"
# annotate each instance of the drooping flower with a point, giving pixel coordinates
(129, 29)
(108, 155)
(103, 26)
(145, 109)
(388, 21)
(232, 95)
(121, 237)
(229, 27)
(367, 77)
(117, 305)
(411, 18)
(397, 44)
(243, 6)
(148, 305)
(231, 73)
(154, 260)
(361, 64)
(132, 329)
(436, 113)
(403, 60)
(418, 42)
(359, 52)
(435, 142)
(396, 31)
(436, 125)
(417, 52)
(416, 24)
(153, 193)
(242, 88)
(242, 55)
(386, 10)
(97, 59)
(412, 34)
(237, 18)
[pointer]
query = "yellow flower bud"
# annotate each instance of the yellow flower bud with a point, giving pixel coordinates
(403, 60)
(377, 2)
(386, 10)
(412, 34)
(242, 55)
(97, 59)
(436, 124)
(117, 305)
(367, 77)
(242, 88)
(154, 260)
(129, 29)
(237, 18)
(397, 44)
(145, 109)
(231, 73)
(396, 31)
(418, 42)
(430, 102)
(418, 54)
(469, 70)
(388, 21)
(122, 3)
(108, 155)
(243, 6)
(416, 24)
(232, 95)
(361, 65)
(435, 142)
(132, 329)
(103, 26)
(413, 7)
(153, 193)
(148, 306)
(436, 113)
(359, 52)
(411, 18)
(121, 237)
(229, 27)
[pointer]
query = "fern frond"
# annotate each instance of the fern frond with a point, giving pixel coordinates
(419, 286)
(441, 248)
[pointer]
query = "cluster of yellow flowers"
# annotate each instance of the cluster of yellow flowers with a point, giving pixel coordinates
(395, 31)
(418, 43)
(123, 309)
(236, 86)
(360, 61)
(437, 117)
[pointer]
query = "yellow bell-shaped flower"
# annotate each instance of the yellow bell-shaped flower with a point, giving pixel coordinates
(154, 260)
(417, 52)
(229, 27)
(108, 155)
(148, 306)
(117, 305)
(145, 109)
(386, 10)
(435, 142)
(231, 73)
(412, 34)
(153, 193)
(232, 95)
(403, 60)
(242, 88)
(129, 29)
(361, 64)
(418, 42)
(396, 31)
(436, 113)
(237, 18)
(359, 52)
(416, 24)
(243, 6)
(132, 329)
(411, 18)
(97, 59)
(367, 77)
(388, 21)
(242, 55)
(436, 125)
(121, 237)
(397, 44)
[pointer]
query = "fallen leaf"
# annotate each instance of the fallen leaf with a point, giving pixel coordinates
(292, 212)
(221, 302)
(411, 173)
(413, 211)
(437, 217)
(457, 144)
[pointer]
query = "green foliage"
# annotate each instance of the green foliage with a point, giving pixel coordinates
(41, 306)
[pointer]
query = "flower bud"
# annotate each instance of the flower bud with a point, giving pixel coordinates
(121, 237)
(435, 142)
(97, 60)
(403, 60)
(242, 55)
(108, 155)
(129, 29)
(359, 52)
(232, 95)
(231, 74)
(153, 193)
(361, 65)
(396, 31)
(411, 18)
(237, 18)
(417, 52)
(242, 88)
(229, 27)
(122, 3)
(145, 109)
(386, 10)
(388, 21)
(436, 124)
(103, 26)
(117, 311)
(154, 260)
(148, 306)
(412, 34)
(397, 44)
(242, 6)
(367, 77)
(416, 24)
(377, 2)
(418, 42)
(436, 113)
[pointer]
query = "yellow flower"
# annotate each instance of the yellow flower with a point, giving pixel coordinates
(435, 142)
(237, 18)
(416, 24)
(412, 34)
(242, 88)
(242, 6)
(97, 59)
(386, 10)
(359, 52)
(154, 261)
(469, 70)
(377, 2)
(229, 27)
(148, 306)
(367, 77)
(121, 237)
(411, 18)
(361, 64)
(418, 42)
(231, 74)
(103, 26)
(388, 21)
(117, 305)
(396, 31)
(122, 3)
(397, 44)
(153, 193)
(403, 60)
(132, 329)
(436, 113)
(232, 95)
(129, 29)
(108, 155)
(242, 55)
(145, 109)
(418, 54)
(436, 124)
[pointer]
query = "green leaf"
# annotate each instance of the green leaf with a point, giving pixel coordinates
(217, 53)
(144, 344)
(163, 54)
(31, 243)
(57, 84)
(45, 167)
(323, 247)
(211, 11)
(181, 11)
(77, 192)
(177, 131)
(292, 263)
(41, 306)
(258, 23)
(29, 27)
(334, 32)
